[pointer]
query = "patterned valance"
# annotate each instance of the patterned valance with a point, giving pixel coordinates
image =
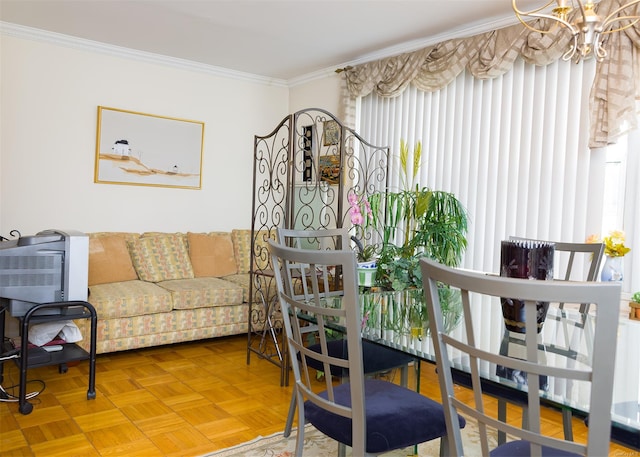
(614, 92)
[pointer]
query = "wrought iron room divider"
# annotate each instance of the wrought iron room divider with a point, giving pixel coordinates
(307, 173)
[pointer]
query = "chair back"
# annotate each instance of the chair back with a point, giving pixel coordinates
(578, 255)
(339, 318)
(477, 288)
(570, 255)
(324, 239)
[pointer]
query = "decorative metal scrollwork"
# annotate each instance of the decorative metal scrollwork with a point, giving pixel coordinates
(14, 233)
(304, 170)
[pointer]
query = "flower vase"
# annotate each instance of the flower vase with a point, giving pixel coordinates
(526, 259)
(612, 270)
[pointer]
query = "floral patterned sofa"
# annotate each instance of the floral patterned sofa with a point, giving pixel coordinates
(159, 288)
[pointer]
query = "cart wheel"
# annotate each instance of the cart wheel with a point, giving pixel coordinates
(25, 408)
(91, 395)
(63, 368)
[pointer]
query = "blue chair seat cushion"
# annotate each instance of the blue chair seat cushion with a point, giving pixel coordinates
(397, 417)
(521, 448)
(375, 358)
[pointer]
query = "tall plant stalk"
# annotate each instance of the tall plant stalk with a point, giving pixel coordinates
(416, 221)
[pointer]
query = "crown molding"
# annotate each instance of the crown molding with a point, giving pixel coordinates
(411, 46)
(30, 33)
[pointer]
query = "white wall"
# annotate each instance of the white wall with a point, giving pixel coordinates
(321, 92)
(48, 118)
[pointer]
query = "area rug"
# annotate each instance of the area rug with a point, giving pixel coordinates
(318, 445)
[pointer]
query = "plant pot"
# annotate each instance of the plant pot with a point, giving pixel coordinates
(634, 310)
(367, 273)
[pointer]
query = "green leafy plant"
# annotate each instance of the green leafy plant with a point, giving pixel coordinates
(416, 221)
(365, 253)
(636, 297)
(397, 272)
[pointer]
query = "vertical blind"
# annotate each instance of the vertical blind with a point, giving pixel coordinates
(513, 149)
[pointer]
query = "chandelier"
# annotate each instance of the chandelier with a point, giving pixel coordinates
(586, 26)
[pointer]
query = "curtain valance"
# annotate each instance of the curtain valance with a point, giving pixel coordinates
(614, 92)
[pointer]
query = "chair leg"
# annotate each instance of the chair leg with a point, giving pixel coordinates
(404, 375)
(525, 417)
(299, 441)
(292, 412)
(444, 446)
(301, 427)
(566, 424)
(502, 417)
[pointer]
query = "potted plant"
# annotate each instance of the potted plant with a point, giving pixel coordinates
(614, 250)
(417, 222)
(367, 263)
(360, 214)
(634, 304)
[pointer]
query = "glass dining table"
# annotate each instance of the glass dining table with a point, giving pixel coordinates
(398, 320)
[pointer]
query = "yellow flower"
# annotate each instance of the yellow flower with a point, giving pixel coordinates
(613, 244)
(593, 239)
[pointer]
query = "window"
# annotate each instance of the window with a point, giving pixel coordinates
(514, 150)
(614, 186)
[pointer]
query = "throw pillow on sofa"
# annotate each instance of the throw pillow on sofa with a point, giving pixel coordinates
(161, 258)
(109, 260)
(242, 248)
(211, 254)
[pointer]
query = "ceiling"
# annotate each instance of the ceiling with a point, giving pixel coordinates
(279, 39)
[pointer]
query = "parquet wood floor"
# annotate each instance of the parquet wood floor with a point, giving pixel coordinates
(179, 400)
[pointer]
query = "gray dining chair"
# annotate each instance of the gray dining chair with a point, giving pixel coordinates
(568, 257)
(377, 359)
(372, 416)
(569, 254)
(527, 439)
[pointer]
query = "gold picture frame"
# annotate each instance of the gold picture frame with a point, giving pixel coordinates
(141, 149)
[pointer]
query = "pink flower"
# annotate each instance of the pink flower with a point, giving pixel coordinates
(356, 216)
(367, 207)
(365, 319)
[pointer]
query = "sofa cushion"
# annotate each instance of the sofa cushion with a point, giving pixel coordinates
(264, 289)
(128, 236)
(109, 260)
(120, 334)
(211, 254)
(242, 248)
(161, 258)
(202, 292)
(129, 298)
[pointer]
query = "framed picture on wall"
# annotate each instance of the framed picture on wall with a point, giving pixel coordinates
(329, 167)
(331, 133)
(148, 150)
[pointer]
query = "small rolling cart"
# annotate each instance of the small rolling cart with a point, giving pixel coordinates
(38, 357)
